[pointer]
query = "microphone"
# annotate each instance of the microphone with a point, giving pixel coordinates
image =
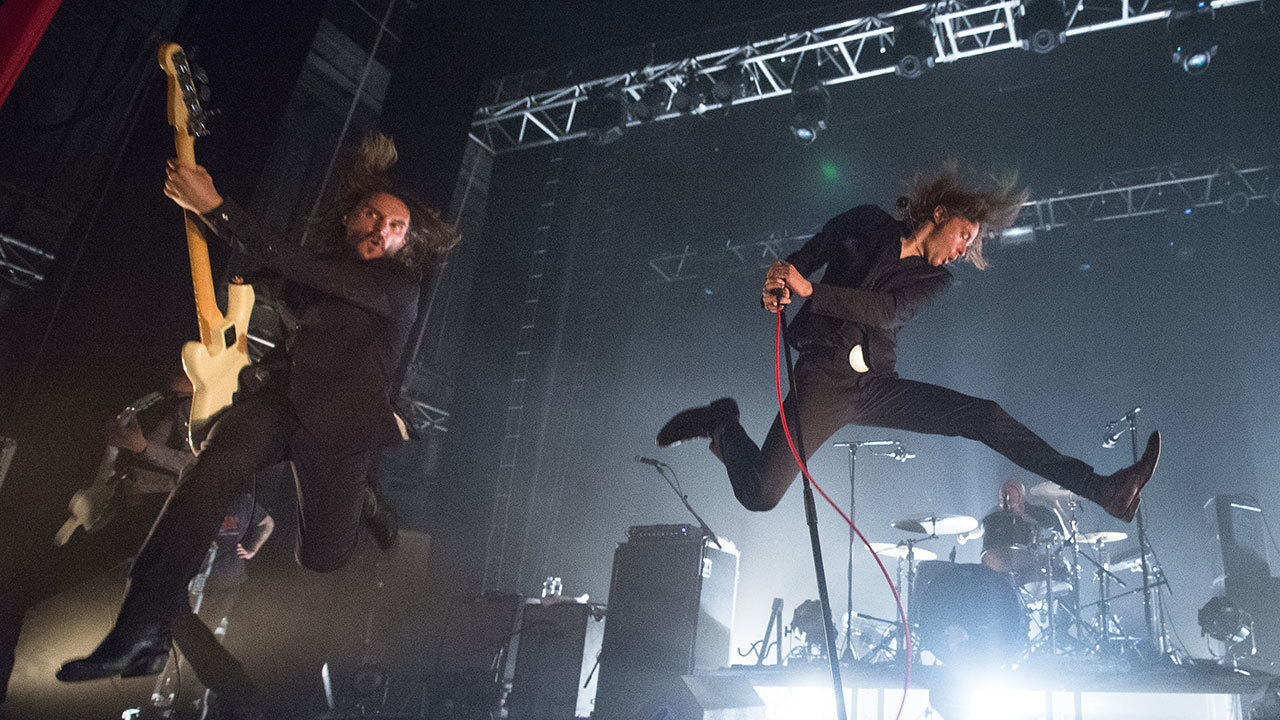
(1117, 428)
(649, 461)
(900, 454)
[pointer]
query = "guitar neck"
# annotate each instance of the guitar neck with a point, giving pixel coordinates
(207, 313)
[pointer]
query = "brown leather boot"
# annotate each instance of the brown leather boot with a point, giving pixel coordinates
(1119, 492)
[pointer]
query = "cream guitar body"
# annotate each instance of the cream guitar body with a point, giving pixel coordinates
(213, 364)
(214, 367)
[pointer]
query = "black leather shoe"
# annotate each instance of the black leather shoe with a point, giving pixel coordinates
(1119, 494)
(129, 651)
(698, 422)
(382, 521)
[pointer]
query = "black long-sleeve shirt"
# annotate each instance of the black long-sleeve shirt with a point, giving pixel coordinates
(353, 320)
(868, 292)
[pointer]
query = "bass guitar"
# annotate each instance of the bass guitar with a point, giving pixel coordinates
(213, 364)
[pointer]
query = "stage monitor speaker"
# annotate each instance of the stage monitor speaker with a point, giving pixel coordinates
(555, 668)
(1241, 531)
(474, 662)
(1240, 528)
(671, 604)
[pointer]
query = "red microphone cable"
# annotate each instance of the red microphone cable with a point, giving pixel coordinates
(804, 468)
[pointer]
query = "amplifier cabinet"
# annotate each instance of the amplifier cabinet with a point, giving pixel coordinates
(671, 604)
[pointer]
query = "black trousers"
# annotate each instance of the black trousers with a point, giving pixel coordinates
(257, 431)
(832, 395)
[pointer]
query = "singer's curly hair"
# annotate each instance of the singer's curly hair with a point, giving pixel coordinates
(992, 202)
(429, 237)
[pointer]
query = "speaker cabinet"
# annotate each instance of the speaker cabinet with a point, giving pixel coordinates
(1241, 531)
(555, 678)
(671, 603)
(1238, 523)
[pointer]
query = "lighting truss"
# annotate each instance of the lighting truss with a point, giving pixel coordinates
(1183, 188)
(428, 418)
(20, 263)
(420, 385)
(843, 52)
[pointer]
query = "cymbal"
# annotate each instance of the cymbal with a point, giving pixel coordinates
(1051, 491)
(937, 524)
(899, 551)
(1104, 536)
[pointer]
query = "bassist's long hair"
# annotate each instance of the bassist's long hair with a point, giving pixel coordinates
(429, 237)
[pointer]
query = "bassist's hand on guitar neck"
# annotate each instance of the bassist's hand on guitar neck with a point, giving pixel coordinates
(191, 187)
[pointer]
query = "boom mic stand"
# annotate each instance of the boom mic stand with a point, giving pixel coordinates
(898, 453)
(811, 517)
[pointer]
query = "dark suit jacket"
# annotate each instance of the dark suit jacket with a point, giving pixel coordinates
(353, 319)
(867, 293)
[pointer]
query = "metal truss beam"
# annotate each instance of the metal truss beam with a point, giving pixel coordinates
(844, 52)
(1183, 188)
(428, 418)
(21, 264)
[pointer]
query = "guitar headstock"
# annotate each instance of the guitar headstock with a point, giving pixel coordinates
(184, 111)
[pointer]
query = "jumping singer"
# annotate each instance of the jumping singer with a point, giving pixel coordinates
(880, 272)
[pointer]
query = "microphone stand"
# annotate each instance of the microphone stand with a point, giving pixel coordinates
(1151, 613)
(811, 517)
(706, 529)
(852, 447)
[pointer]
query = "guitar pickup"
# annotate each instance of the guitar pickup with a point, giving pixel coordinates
(229, 337)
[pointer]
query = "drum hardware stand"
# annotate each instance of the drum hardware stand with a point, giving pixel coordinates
(898, 453)
(811, 517)
(1104, 590)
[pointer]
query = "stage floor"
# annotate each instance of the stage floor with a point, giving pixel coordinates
(1066, 688)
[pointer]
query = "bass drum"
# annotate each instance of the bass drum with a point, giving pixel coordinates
(971, 614)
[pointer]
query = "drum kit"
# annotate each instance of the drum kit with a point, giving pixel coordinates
(1023, 599)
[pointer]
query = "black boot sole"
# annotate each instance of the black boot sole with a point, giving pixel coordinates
(698, 422)
(82, 670)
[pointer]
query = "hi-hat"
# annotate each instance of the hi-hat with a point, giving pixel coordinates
(899, 551)
(937, 524)
(1103, 536)
(1051, 491)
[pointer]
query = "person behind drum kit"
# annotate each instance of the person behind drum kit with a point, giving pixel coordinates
(1009, 532)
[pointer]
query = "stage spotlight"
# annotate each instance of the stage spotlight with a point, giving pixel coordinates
(1043, 25)
(808, 619)
(1191, 37)
(1224, 621)
(692, 94)
(652, 103)
(729, 86)
(606, 117)
(810, 107)
(913, 45)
